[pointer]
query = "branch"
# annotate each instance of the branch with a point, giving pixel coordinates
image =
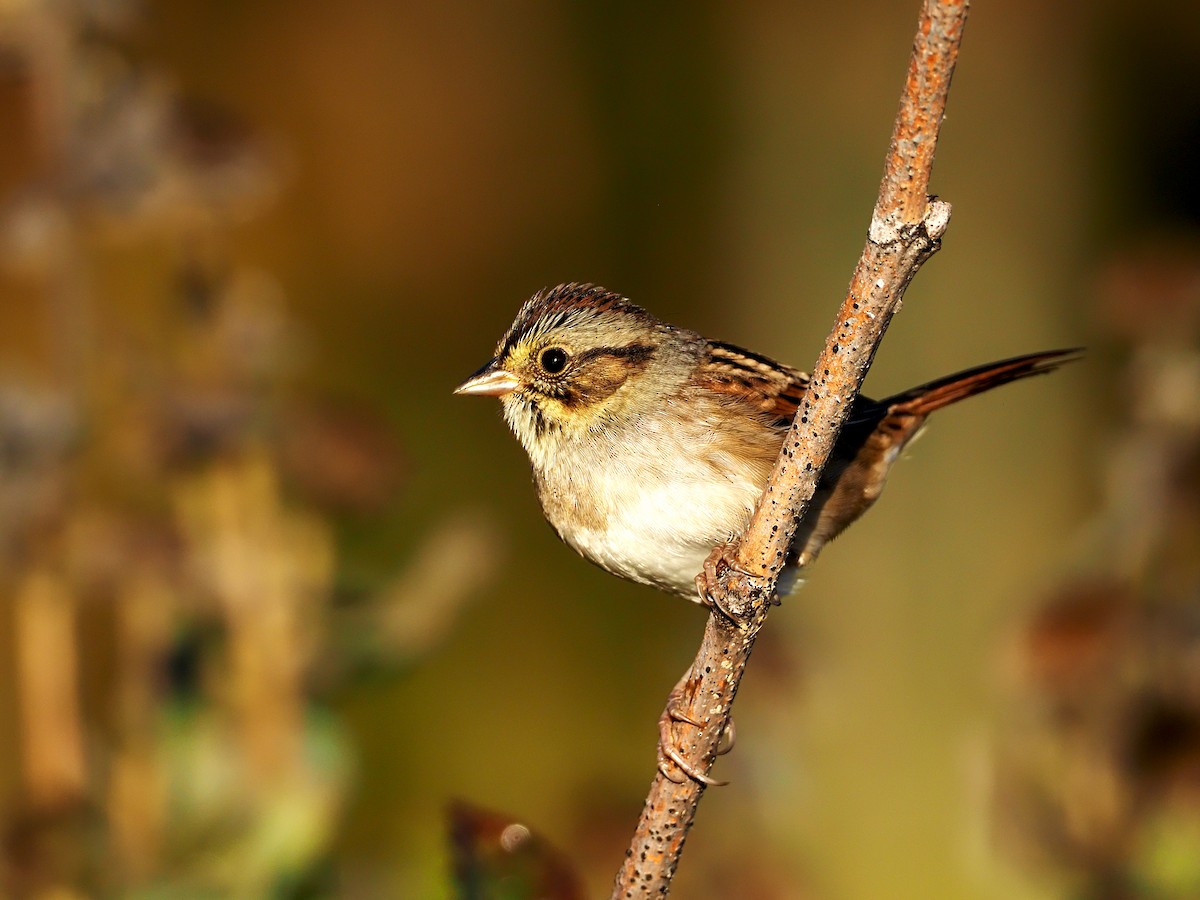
(905, 231)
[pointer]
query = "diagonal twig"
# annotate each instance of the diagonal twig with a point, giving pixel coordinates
(906, 228)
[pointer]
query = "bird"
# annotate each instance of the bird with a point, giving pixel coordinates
(651, 445)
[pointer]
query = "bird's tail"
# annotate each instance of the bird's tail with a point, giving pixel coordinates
(927, 398)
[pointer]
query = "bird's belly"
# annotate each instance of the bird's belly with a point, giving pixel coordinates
(661, 535)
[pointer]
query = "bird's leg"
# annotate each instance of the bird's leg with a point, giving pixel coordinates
(669, 757)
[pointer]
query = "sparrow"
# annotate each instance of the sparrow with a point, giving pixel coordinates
(651, 445)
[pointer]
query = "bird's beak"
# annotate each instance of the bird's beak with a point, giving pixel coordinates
(490, 381)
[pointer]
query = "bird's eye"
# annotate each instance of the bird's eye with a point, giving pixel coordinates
(554, 360)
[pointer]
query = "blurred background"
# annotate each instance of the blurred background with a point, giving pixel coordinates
(281, 616)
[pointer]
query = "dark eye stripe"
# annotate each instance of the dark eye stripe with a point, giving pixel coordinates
(635, 353)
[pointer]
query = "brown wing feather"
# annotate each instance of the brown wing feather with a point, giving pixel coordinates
(766, 387)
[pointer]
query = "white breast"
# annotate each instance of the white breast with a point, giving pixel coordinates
(663, 507)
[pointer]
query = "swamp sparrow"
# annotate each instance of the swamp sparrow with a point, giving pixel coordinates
(651, 445)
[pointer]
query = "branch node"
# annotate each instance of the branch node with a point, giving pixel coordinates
(937, 218)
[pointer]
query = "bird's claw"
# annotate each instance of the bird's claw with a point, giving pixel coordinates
(738, 583)
(669, 758)
(708, 583)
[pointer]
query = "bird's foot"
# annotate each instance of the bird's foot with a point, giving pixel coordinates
(713, 593)
(670, 761)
